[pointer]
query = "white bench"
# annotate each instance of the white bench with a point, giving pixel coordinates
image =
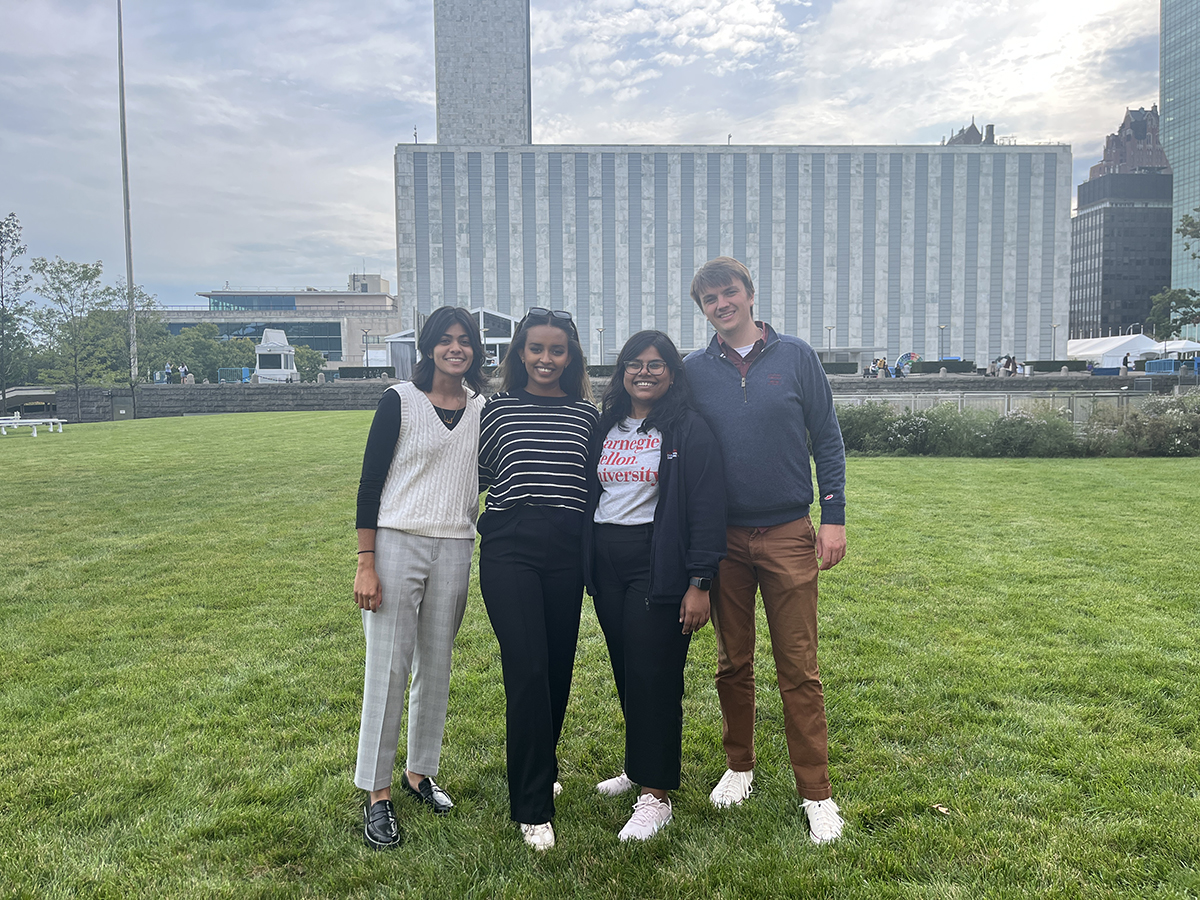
(8, 422)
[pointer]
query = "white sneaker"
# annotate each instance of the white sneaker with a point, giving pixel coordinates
(649, 815)
(824, 823)
(557, 788)
(618, 784)
(733, 788)
(539, 837)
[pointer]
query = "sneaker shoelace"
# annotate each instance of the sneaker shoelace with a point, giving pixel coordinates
(823, 815)
(645, 811)
(731, 790)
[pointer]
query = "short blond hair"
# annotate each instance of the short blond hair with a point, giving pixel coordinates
(716, 273)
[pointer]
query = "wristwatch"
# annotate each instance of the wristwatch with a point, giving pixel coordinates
(703, 583)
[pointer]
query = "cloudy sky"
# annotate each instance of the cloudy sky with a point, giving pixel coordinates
(261, 131)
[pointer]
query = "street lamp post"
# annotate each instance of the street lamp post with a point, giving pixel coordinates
(941, 342)
(600, 332)
(1054, 340)
(366, 361)
(829, 338)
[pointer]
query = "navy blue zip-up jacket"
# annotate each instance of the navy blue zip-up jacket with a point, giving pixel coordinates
(689, 519)
(763, 423)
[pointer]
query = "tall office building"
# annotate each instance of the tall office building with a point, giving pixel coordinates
(961, 250)
(1179, 99)
(1121, 233)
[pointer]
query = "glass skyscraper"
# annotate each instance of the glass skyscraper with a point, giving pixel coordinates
(1179, 129)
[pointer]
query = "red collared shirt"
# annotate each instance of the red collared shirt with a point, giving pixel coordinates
(743, 362)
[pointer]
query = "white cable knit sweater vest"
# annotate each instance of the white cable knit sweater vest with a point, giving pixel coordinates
(432, 487)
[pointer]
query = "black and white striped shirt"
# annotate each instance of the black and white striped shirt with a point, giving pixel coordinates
(533, 451)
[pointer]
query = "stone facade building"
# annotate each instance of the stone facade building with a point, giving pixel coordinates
(961, 250)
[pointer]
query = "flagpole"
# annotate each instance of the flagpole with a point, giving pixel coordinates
(133, 352)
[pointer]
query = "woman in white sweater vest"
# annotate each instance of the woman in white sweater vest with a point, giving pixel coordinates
(417, 503)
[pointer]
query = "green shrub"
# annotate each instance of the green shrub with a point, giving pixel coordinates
(865, 426)
(1043, 431)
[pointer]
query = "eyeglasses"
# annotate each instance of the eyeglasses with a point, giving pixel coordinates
(654, 367)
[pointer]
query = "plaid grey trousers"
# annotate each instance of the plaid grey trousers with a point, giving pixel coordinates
(424, 582)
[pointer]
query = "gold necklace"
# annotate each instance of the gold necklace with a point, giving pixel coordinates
(452, 418)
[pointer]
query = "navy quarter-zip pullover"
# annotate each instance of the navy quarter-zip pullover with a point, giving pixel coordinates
(764, 422)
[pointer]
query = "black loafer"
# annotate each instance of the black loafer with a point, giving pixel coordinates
(428, 793)
(380, 830)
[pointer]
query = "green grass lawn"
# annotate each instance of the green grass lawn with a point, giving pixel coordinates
(1010, 658)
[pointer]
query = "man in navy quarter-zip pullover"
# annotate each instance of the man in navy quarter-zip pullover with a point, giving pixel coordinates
(766, 398)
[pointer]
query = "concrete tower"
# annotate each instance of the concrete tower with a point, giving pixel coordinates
(482, 57)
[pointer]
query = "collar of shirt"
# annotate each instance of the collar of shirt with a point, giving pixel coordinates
(742, 363)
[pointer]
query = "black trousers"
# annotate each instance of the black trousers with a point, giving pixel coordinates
(648, 650)
(532, 585)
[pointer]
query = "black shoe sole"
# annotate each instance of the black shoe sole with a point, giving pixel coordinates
(377, 846)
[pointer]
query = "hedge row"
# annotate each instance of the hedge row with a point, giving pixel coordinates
(1164, 426)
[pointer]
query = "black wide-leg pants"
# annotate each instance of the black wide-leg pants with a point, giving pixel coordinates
(648, 651)
(532, 583)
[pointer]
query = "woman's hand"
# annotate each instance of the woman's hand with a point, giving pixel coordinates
(367, 593)
(693, 611)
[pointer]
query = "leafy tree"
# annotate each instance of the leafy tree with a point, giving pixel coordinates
(152, 333)
(309, 361)
(235, 353)
(73, 291)
(1189, 230)
(203, 352)
(1171, 308)
(14, 312)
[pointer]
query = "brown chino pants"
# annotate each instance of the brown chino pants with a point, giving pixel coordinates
(781, 561)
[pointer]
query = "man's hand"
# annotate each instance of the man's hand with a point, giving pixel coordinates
(831, 545)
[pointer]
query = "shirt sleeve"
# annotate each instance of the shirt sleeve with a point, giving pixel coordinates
(704, 486)
(825, 436)
(377, 459)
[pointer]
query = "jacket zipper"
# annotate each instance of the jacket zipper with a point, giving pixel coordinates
(745, 395)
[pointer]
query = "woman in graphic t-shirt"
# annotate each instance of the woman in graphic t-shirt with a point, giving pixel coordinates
(656, 511)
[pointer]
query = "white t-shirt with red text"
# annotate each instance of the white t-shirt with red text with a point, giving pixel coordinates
(628, 472)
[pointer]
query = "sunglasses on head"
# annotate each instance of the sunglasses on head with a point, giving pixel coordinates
(548, 315)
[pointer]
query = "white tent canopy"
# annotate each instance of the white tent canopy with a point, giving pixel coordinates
(1108, 352)
(1178, 347)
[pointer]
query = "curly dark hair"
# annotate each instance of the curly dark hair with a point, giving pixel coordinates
(439, 321)
(667, 411)
(574, 380)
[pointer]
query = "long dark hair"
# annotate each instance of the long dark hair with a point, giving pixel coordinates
(574, 380)
(670, 408)
(438, 323)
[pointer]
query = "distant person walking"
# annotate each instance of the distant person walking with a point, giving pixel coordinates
(417, 502)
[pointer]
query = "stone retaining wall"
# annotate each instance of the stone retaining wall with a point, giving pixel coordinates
(100, 404)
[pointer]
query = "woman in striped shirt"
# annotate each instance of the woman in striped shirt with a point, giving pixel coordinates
(533, 448)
